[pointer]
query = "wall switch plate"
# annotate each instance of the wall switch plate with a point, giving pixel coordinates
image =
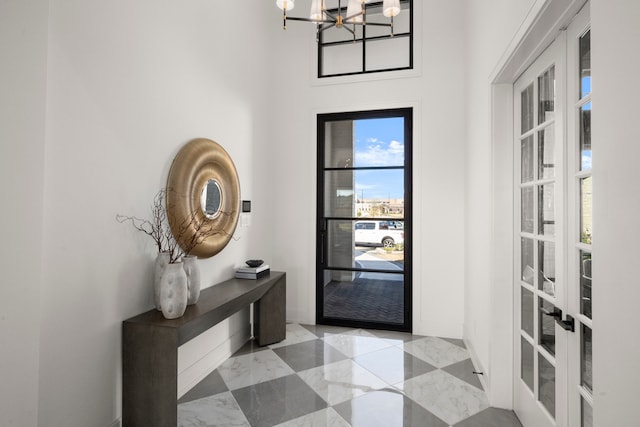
(246, 206)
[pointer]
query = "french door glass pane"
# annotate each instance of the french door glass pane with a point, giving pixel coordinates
(547, 326)
(339, 144)
(344, 150)
(585, 64)
(586, 208)
(585, 137)
(547, 384)
(526, 102)
(546, 95)
(526, 362)
(526, 312)
(527, 210)
(345, 193)
(372, 150)
(526, 155)
(585, 283)
(339, 195)
(546, 210)
(546, 153)
(526, 256)
(364, 296)
(587, 414)
(547, 267)
(340, 250)
(586, 357)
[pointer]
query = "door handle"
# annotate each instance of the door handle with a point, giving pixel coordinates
(557, 313)
(568, 324)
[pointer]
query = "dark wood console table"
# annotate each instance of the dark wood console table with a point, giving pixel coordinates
(150, 343)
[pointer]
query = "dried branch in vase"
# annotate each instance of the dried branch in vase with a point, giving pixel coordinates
(193, 230)
(190, 231)
(157, 227)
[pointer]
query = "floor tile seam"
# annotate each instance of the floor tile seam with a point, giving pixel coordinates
(431, 410)
(466, 382)
(431, 361)
(372, 390)
(462, 379)
(415, 379)
(239, 407)
(393, 386)
(315, 412)
(266, 380)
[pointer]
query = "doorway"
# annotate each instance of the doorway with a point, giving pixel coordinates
(553, 233)
(363, 271)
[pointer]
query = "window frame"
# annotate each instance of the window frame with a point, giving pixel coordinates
(321, 45)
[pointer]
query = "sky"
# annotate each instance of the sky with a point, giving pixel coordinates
(379, 142)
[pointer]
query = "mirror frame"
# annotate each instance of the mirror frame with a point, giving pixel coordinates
(197, 162)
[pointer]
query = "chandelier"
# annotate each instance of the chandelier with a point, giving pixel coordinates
(356, 14)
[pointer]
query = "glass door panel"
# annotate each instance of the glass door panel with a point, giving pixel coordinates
(364, 222)
(547, 267)
(553, 190)
(547, 153)
(547, 384)
(547, 326)
(546, 210)
(581, 184)
(538, 161)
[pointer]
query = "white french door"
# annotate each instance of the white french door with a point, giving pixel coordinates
(541, 344)
(552, 298)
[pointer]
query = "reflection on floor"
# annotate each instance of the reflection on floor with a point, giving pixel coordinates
(329, 376)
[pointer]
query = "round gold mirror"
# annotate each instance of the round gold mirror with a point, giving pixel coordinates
(203, 198)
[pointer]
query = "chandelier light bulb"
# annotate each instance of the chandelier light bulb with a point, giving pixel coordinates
(355, 8)
(391, 8)
(317, 11)
(285, 4)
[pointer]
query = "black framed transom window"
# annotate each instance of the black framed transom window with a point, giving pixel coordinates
(372, 49)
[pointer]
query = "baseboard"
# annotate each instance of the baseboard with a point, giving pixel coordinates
(198, 370)
(477, 367)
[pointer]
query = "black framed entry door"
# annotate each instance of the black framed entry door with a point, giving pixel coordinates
(363, 271)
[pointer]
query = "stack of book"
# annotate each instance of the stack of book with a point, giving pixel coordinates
(252, 272)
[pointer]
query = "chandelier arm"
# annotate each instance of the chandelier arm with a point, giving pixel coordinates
(326, 27)
(295, 18)
(331, 15)
(373, 24)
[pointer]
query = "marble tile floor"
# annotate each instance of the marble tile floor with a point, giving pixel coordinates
(341, 377)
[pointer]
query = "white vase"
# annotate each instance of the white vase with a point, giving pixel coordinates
(193, 278)
(173, 291)
(161, 262)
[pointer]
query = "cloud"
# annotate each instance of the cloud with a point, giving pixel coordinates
(379, 153)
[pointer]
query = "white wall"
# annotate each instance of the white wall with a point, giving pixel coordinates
(616, 294)
(128, 84)
(23, 49)
(436, 91)
(492, 26)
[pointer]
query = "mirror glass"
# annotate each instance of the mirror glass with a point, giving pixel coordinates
(211, 199)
